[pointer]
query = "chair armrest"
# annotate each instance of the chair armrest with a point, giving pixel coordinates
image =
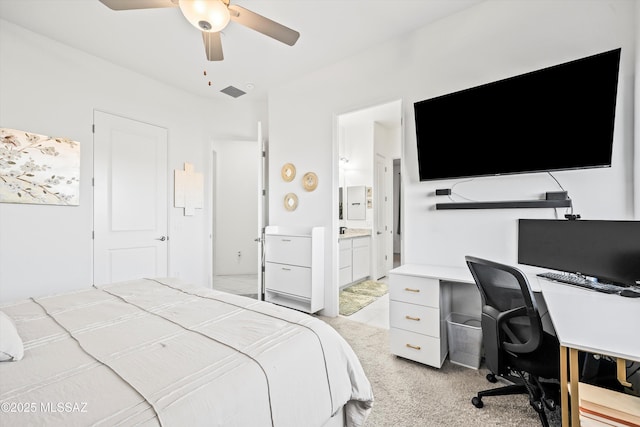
(516, 345)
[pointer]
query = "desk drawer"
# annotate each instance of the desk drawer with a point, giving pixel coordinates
(289, 279)
(295, 250)
(415, 318)
(414, 290)
(418, 347)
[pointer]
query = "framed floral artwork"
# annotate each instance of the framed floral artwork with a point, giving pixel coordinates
(38, 169)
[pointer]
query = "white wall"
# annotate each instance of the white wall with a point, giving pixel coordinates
(51, 89)
(358, 172)
(635, 195)
(491, 41)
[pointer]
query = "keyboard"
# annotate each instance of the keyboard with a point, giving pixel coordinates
(583, 282)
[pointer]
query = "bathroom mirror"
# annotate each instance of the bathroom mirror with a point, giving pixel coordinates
(357, 202)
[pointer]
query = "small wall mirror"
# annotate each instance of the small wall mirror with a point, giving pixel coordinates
(357, 202)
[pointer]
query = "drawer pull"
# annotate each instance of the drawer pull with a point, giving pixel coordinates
(286, 240)
(412, 318)
(415, 347)
(286, 269)
(411, 290)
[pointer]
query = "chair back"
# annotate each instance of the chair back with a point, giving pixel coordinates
(510, 318)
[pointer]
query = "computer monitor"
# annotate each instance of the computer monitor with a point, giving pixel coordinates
(607, 250)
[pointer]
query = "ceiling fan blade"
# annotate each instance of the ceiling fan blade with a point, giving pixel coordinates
(138, 4)
(263, 25)
(213, 46)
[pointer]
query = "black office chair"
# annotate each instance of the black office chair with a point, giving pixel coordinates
(515, 345)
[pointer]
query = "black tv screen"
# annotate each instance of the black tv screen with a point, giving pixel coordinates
(556, 118)
(608, 250)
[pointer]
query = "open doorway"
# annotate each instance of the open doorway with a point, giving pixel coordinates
(237, 216)
(369, 141)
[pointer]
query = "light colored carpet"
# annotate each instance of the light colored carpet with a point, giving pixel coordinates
(355, 297)
(410, 394)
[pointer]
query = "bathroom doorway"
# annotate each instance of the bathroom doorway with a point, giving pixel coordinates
(369, 143)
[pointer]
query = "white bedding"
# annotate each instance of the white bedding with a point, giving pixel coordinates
(153, 352)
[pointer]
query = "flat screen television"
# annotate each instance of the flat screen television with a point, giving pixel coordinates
(607, 250)
(556, 118)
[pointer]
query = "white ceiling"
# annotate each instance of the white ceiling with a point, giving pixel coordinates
(161, 44)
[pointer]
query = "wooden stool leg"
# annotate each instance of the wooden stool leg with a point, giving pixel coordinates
(564, 387)
(573, 379)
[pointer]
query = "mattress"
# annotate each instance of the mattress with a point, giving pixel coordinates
(156, 352)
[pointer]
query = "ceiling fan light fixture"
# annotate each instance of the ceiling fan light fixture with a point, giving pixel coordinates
(206, 15)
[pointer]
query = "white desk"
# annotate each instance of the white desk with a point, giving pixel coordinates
(439, 272)
(594, 322)
(583, 320)
(419, 304)
(453, 274)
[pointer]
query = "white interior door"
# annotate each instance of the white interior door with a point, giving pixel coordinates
(380, 200)
(130, 199)
(262, 199)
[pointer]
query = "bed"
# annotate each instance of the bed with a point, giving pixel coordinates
(160, 353)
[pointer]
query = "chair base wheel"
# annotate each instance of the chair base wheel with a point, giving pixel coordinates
(550, 404)
(477, 402)
(492, 378)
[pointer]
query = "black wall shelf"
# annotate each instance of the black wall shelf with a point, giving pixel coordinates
(563, 203)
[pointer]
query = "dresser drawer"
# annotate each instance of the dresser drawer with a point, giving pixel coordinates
(414, 290)
(295, 250)
(289, 279)
(418, 347)
(415, 318)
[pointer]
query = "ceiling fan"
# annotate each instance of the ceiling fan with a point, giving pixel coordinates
(211, 17)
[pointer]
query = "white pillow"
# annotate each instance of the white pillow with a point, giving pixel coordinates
(11, 347)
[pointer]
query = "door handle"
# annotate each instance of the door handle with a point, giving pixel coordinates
(162, 238)
(378, 232)
(257, 239)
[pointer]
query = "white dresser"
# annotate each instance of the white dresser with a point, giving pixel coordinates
(294, 267)
(418, 310)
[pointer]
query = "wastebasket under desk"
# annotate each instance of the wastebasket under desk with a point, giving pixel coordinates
(465, 340)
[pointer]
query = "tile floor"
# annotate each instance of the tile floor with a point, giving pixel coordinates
(375, 314)
(242, 284)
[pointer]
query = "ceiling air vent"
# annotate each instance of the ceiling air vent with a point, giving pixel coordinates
(233, 91)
